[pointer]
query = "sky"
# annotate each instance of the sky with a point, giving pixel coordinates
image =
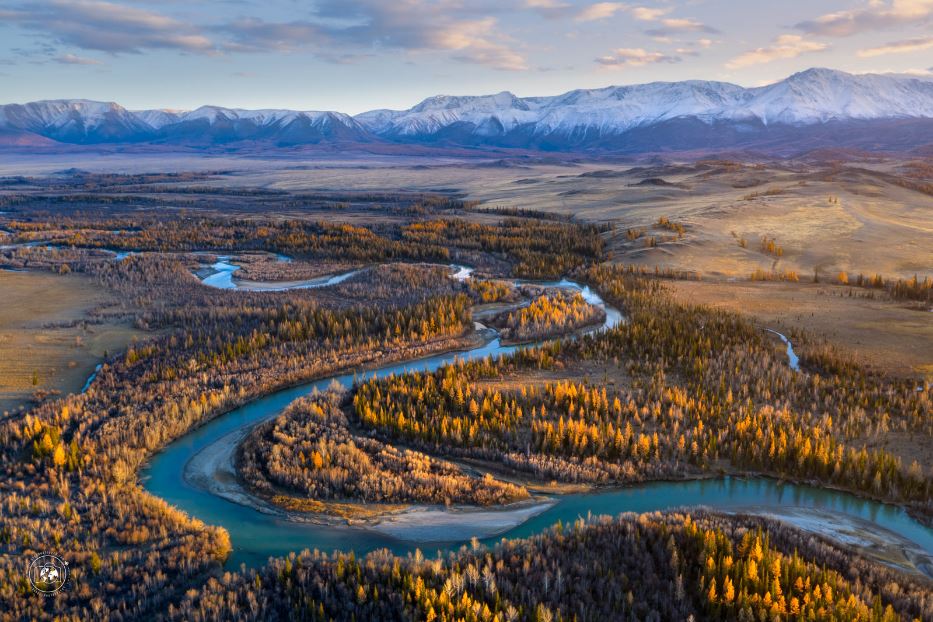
(358, 55)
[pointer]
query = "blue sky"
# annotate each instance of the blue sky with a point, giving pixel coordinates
(356, 55)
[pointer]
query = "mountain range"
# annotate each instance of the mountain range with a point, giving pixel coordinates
(812, 109)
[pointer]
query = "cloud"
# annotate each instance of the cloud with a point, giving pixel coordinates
(356, 28)
(918, 73)
(635, 57)
(551, 9)
(471, 43)
(692, 48)
(898, 47)
(251, 34)
(685, 24)
(878, 15)
(600, 10)
(108, 27)
(668, 26)
(785, 46)
(366, 25)
(646, 14)
(672, 26)
(71, 59)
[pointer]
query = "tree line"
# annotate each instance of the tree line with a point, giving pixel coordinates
(548, 315)
(701, 566)
(532, 248)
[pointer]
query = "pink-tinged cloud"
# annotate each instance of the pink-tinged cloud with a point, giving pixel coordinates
(635, 57)
(108, 27)
(898, 47)
(878, 15)
(785, 46)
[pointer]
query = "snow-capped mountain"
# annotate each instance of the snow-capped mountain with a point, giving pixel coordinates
(609, 110)
(157, 119)
(87, 122)
(213, 124)
(820, 95)
(810, 97)
(74, 120)
(814, 108)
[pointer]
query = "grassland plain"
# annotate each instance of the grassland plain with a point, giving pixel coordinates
(54, 329)
(829, 212)
(883, 334)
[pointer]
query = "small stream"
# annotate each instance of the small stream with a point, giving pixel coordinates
(792, 358)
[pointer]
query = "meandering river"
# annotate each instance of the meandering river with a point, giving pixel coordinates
(222, 278)
(256, 535)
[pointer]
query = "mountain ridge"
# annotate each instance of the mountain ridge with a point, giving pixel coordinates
(688, 114)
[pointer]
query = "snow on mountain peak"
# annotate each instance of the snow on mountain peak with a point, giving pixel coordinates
(820, 95)
(62, 112)
(812, 96)
(577, 118)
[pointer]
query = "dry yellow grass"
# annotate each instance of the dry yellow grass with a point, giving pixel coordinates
(44, 343)
(880, 333)
(855, 219)
(855, 216)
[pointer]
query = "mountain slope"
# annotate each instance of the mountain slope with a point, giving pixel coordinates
(812, 109)
(215, 125)
(604, 116)
(74, 121)
(87, 122)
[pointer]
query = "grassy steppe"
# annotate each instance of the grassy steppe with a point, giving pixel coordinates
(883, 334)
(52, 333)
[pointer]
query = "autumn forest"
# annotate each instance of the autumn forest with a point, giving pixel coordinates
(568, 371)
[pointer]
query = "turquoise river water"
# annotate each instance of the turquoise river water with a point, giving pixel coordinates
(256, 535)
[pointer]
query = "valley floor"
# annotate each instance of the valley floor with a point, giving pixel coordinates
(53, 334)
(886, 335)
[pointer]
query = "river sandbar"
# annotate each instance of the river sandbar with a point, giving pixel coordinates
(864, 537)
(213, 469)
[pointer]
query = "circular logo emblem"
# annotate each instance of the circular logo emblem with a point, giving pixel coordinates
(47, 573)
